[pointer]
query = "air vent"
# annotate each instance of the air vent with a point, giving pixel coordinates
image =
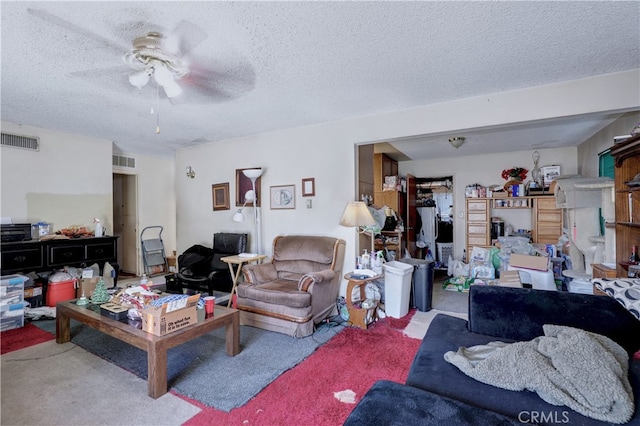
(22, 142)
(122, 161)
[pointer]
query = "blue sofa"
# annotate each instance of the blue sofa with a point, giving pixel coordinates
(436, 392)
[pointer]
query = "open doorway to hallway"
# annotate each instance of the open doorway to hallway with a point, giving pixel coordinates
(434, 203)
(125, 221)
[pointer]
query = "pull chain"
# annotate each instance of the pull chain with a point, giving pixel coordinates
(158, 109)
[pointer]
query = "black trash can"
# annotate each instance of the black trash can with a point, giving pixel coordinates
(421, 283)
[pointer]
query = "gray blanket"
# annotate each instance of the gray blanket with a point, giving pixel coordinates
(567, 366)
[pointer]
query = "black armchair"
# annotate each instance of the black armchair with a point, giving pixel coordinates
(200, 268)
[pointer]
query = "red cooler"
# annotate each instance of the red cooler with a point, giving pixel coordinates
(61, 292)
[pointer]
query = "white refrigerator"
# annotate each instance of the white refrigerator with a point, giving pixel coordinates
(426, 238)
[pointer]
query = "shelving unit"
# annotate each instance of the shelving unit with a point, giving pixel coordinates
(546, 218)
(627, 165)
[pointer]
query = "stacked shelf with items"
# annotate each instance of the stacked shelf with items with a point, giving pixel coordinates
(626, 156)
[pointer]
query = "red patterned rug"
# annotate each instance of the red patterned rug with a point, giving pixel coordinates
(19, 338)
(323, 389)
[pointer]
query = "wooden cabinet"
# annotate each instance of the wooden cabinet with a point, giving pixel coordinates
(627, 165)
(546, 219)
(38, 256)
(385, 166)
(478, 223)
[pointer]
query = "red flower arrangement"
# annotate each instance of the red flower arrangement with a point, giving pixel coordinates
(515, 173)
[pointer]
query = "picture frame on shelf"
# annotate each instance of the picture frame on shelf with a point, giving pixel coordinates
(243, 184)
(283, 197)
(220, 196)
(308, 187)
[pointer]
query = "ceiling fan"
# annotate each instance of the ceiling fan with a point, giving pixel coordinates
(149, 57)
(167, 59)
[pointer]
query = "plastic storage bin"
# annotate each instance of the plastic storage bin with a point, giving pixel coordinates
(422, 282)
(397, 288)
(61, 292)
(12, 301)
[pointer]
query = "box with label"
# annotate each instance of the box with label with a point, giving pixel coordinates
(33, 291)
(170, 317)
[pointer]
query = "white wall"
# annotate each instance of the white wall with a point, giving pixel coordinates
(287, 157)
(326, 152)
(69, 182)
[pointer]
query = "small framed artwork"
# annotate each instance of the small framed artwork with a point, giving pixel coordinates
(283, 197)
(243, 184)
(308, 187)
(220, 196)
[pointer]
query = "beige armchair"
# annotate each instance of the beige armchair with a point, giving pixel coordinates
(297, 289)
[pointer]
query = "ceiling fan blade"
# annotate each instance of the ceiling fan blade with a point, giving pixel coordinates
(184, 38)
(112, 78)
(53, 19)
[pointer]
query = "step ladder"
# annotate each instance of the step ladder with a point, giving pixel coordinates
(153, 254)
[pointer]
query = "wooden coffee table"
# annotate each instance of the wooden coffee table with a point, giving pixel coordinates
(155, 346)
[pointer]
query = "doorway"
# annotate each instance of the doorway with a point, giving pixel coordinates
(125, 221)
(434, 203)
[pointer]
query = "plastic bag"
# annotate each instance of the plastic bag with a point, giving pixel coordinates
(457, 268)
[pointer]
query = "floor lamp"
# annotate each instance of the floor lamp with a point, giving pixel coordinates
(356, 214)
(254, 174)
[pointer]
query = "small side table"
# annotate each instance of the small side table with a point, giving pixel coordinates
(235, 275)
(357, 316)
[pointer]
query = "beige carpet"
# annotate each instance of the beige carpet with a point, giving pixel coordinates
(45, 385)
(420, 321)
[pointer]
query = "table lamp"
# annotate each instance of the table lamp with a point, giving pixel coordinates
(356, 214)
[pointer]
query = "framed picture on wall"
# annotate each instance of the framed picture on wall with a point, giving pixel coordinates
(220, 196)
(243, 184)
(308, 187)
(283, 197)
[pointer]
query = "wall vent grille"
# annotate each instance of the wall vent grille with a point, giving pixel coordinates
(22, 142)
(122, 161)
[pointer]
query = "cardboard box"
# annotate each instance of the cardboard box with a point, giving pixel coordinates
(173, 263)
(170, 317)
(86, 285)
(33, 291)
(537, 263)
(510, 279)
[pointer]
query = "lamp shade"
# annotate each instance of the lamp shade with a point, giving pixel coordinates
(357, 214)
(238, 216)
(252, 173)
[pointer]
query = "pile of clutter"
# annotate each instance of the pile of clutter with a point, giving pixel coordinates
(486, 264)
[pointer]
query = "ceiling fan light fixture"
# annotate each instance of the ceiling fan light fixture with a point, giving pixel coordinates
(139, 79)
(457, 141)
(172, 90)
(161, 74)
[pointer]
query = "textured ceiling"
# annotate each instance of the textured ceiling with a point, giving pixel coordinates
(273, 65)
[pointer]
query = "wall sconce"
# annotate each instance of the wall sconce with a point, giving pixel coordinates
(457, 141)
(190, 172)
